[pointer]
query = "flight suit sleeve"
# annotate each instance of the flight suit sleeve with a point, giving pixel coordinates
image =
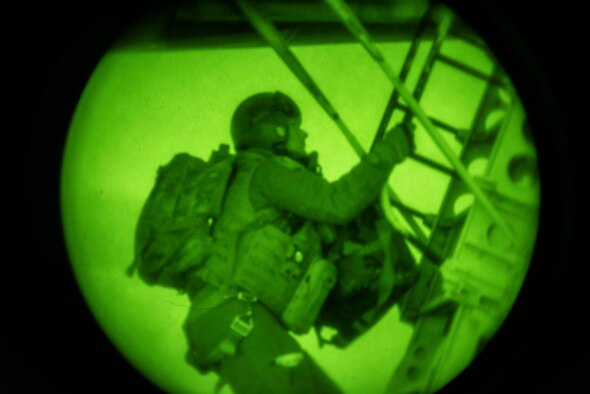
(306, 194)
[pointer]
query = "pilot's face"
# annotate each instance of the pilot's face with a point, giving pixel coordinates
(297, 137)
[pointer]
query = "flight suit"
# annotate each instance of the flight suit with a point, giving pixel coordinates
(271, 201)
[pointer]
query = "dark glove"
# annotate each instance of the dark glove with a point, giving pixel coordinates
(397, 144)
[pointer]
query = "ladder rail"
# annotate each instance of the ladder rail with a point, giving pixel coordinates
(470, 70)
(441, 35)
(393, 101)
(386, 118)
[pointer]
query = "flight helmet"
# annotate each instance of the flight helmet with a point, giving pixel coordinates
(263, 108)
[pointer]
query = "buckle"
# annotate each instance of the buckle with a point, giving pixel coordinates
(247, 297)
(242, 325)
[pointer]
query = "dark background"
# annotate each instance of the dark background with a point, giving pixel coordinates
(53, 342)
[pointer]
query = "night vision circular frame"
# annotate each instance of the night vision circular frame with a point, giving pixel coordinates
(168, 87)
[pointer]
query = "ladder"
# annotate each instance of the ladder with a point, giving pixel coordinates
(444, 307)
(450, 295)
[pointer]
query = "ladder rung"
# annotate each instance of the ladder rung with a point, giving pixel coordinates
(431, 163)
(427, 218)
(470, 70)
(405, 208)
(438, 123)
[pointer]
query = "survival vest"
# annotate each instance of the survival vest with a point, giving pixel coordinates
(173, 234)
(267, 253)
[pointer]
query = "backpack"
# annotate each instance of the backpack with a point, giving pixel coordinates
(173, 234)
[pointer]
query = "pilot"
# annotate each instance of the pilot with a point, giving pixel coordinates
(267, 276)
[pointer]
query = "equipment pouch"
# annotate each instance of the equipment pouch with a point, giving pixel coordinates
(308, 298)
(261, 270)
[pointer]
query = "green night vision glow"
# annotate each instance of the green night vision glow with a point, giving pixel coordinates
(149, 100)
